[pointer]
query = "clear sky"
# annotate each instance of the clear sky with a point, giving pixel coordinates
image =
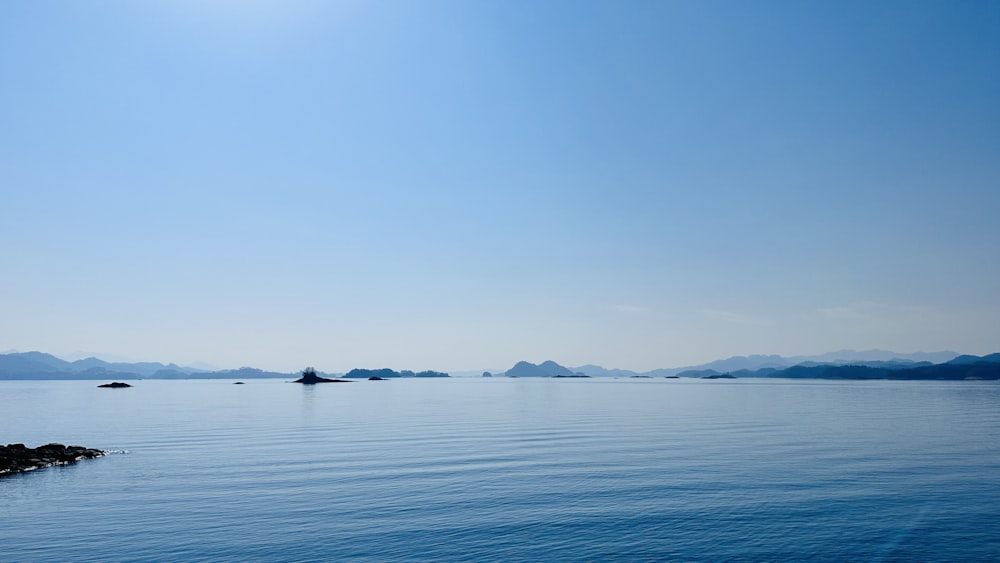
(459, 185)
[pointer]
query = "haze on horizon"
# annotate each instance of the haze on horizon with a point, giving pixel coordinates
(461, 185)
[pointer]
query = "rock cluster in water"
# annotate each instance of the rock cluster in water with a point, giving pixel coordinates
(15, 458)
(115, 385)
(310, 377)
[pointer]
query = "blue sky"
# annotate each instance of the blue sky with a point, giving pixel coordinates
(461, 185)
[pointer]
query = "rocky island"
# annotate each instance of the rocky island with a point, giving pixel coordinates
(17, 458)
(310, 377)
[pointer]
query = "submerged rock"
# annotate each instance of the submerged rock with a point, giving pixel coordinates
(17, 458)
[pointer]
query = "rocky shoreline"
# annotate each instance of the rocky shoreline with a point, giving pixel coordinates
(18, 458)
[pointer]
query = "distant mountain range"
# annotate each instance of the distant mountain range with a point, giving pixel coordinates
(758, 361)
(843, 364)
(39, 365)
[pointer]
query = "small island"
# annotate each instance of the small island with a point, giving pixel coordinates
(18, 458)
(115, 385)
(309, 377)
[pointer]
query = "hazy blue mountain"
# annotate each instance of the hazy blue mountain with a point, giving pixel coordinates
(892, 364)
(731, 364)
(545, 369)
(526, 369)
(969, 359)
(756, 361)
(745, 366)
(17, 362)
(875, 355)
(840, 357)
(598, 371)
(42, 358)
(27, 366)
(144, 369)
(38, 365)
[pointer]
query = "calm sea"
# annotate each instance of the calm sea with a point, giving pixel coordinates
(507, 470)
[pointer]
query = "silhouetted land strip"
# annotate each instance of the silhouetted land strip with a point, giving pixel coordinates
(17, 458)
(386, 373)
(948, 371)
(877, 365)
(115, 385)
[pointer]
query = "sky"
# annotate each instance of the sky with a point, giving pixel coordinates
(457, 185)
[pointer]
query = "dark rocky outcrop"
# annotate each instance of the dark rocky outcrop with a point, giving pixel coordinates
(115, 385)
(377, 378)
(310, 377)
(16, 458)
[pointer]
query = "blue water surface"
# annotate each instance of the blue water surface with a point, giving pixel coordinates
(507, 470)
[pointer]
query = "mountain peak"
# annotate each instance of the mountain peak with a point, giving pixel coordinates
(547, 368)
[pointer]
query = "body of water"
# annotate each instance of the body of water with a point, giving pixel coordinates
(507, 470)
